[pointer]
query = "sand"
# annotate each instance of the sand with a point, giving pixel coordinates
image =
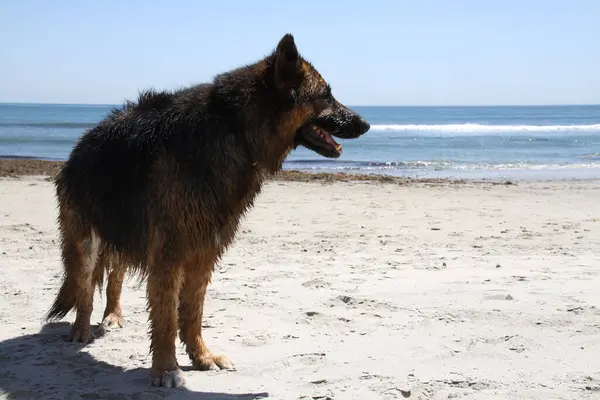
(341, 290)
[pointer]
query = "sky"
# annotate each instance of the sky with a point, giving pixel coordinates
(376, 52)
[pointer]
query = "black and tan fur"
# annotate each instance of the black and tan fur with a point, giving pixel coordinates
(159, 186)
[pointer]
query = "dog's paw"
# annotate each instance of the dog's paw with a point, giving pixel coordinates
(170, 379)
(212, 362)
(113, 320)
(81, 333)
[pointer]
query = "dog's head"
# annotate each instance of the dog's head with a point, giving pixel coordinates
(312, 115)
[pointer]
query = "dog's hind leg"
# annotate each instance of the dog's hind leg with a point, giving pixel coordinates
(83, 270)
(191, 306)
(79, 256)
(113, 316)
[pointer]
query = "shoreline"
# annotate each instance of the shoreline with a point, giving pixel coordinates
(23, 167)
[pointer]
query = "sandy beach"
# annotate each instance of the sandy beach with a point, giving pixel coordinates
(340, 289)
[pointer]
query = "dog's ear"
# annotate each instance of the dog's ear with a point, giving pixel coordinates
(287, 73)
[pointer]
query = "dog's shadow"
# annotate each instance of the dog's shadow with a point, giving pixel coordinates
(44, 365)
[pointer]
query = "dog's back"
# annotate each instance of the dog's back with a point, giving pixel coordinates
(149, 163)
(105, 181)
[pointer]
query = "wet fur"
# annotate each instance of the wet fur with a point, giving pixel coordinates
(158, 189)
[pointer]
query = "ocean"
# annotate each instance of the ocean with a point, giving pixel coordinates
(546, 142)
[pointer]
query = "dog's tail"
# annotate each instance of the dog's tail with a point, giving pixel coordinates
(64, 302)
(67, 297)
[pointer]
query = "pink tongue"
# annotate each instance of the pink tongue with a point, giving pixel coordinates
(329, 139)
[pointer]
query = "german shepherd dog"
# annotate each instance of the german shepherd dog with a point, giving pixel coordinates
(158, 188)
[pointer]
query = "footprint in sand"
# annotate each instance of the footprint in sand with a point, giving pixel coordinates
(316, 284)
(358, 303)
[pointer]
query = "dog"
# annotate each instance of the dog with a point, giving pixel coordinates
(158, 188)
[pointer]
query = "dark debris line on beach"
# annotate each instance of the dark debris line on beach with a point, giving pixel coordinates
(14, 168)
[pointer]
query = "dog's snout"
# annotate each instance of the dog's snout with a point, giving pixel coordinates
(362, 126)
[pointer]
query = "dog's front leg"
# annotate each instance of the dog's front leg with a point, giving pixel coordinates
(164, 283)
(191, 306)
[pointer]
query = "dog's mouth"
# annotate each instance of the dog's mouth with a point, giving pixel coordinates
(318, 140)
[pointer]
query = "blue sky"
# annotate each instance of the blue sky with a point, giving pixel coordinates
(420, 52)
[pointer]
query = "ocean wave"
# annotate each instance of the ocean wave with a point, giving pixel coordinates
(450, 128)
(480, 128)
(590, 155)
(431, 165)
(50, 125)
(349, 164)
(28, 157)
(43, 141)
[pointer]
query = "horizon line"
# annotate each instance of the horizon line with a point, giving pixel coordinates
(350, 105)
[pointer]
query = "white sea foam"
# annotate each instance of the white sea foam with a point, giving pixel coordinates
(439, 165)
(480, 128)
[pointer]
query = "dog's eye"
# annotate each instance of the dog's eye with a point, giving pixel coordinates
(321, 103)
